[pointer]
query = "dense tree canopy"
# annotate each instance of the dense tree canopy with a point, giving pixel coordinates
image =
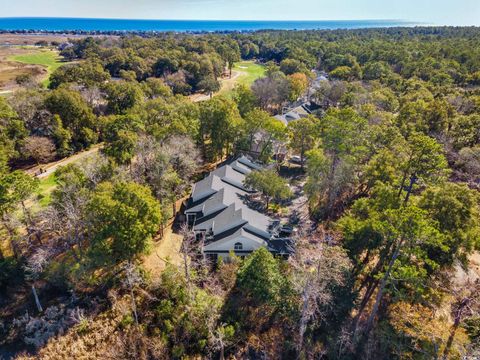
(269, 184)
(385, 213)
(125, 218)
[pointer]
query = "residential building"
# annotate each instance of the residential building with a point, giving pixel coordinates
(297, 112)
(219, 214)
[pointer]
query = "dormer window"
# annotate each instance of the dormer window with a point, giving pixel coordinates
(238, 246)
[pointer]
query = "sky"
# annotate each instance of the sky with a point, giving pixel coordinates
(437, 12)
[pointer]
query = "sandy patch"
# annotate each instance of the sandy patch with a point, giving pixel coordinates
(166, 250)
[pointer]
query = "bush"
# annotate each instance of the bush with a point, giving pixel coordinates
(127, 321)
(472, 326)
(83, 327)
(11, 273)
(37, 331)
(270, 184)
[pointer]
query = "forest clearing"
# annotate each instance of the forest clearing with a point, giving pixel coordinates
(26, 61)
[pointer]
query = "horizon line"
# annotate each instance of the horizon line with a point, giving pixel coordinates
(177, 19)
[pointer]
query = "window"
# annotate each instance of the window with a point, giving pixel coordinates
(238, 246)
(212, 257)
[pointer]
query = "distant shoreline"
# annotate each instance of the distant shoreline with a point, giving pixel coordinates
(100, 26)
(30, 39)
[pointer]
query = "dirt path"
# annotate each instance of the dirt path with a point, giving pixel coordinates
(297, 212)
(226, 85)
(229, 83)
(298, 209)
(167, 249)
(51, 167)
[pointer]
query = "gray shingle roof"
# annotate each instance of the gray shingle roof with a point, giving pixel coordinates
(257, 222)
(233, 216)
(281, 246)
(220, 220)
(293, 114)
(224, 177)
(221, 211)
(206, 187)
(230, 175)
(247, 162)
(241, 168)
(227, 196)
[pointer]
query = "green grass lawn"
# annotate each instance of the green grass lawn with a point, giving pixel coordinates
(252, 71)
(45, 188)
(48, 58)
(249, 72)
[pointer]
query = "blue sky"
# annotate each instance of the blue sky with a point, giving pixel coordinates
(442, 12)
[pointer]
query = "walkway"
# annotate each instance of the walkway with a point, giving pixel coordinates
(51, 167)
(166, 250)
(227, 84)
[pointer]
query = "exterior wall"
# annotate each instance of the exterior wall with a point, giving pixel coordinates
(247, 245)
(225, 256)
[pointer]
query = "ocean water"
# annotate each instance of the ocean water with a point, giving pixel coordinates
(70, 24)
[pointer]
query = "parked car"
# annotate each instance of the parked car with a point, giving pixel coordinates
(296, 159)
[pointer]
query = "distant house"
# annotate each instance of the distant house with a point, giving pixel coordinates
(296, 112)
(223, 222)
(320, 77)
(262, 141)
(65, 45)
